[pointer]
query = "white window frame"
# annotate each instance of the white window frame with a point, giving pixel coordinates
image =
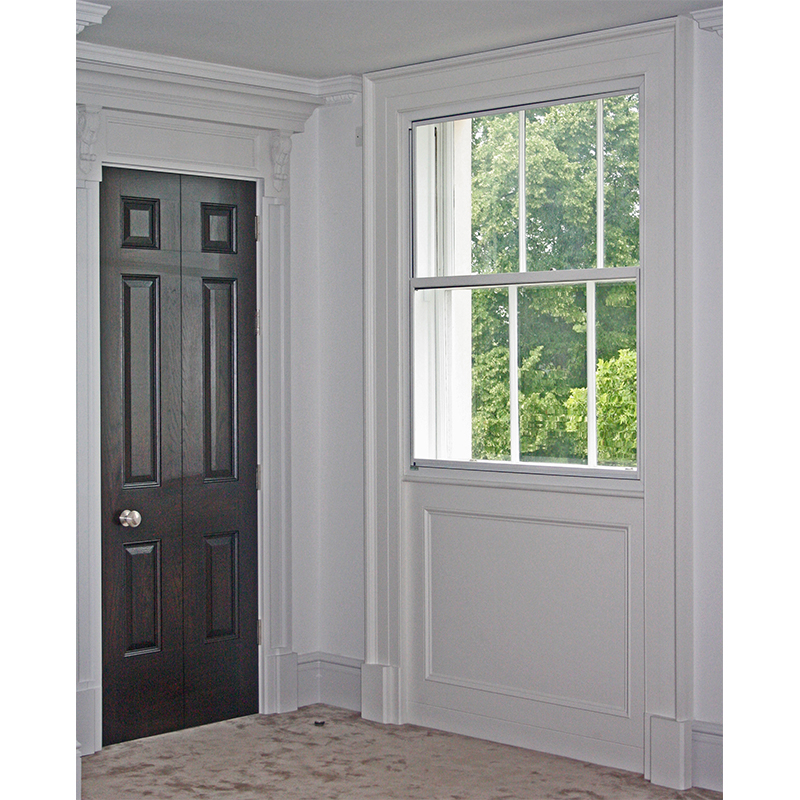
(448, 379)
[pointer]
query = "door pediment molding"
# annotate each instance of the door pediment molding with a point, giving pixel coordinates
(151, 111)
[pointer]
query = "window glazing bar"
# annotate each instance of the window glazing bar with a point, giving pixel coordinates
(513, 311)
(544, 278)
(591, 312)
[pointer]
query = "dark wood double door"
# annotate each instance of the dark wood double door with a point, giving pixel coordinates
(178, 398)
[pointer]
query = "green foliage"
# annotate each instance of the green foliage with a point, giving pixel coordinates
(560, 198)
(621, 181)
(491, 410)
(495, 196)
(561, 186)
(616, 411)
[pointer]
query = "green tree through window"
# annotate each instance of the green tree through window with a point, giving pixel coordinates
(553, 364)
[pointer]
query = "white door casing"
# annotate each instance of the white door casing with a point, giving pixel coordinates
(146, 112)
(455, 560)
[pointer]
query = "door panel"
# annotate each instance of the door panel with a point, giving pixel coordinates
(219, 449)
(178, 378)
(140, 380)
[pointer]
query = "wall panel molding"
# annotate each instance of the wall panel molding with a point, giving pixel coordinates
(591, 670)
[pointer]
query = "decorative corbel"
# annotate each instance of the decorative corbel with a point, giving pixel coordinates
(280, 145)
(88, 125)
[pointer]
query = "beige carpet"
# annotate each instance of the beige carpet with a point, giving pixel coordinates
(289, 757)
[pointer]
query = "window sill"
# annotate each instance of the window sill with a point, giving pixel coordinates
(572, 479)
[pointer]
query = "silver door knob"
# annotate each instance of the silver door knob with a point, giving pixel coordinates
(130, 519)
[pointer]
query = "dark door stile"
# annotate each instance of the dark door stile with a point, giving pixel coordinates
(178, 411)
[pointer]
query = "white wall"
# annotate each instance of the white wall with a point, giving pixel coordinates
(708, 276)
(327, 425)
(341, 374)
(327, 385)
(305, 387)
(708, 379)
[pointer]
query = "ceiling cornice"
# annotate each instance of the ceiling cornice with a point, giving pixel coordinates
(710, 19)
(171, 68)
(110, 77)
(88, 14)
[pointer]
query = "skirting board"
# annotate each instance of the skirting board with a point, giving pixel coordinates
(88, 719)
(707, 755)
(330, 679)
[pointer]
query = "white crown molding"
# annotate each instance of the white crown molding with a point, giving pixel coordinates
(141, 82)
(186, 88)
(339, 91)
(709, 19)
(88, 14)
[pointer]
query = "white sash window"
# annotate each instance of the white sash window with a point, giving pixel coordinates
(524, 288)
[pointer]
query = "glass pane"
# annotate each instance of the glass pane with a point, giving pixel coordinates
(491, 409)
(495, 193)
(442, 350)
(621, 180)
(616, 375)
(552, 373)
(442, 198)
(561, 186)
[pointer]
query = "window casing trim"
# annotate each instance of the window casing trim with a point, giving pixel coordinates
(577, 93)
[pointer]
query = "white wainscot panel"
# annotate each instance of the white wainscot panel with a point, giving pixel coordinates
(531, 609)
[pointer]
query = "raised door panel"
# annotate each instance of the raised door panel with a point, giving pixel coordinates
(222, 586)
(143, 597)
(220, 432)
(141, 355)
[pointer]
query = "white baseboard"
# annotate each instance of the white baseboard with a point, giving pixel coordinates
(88, 719)
(279, 683)
(380, 693)
(330, 679)
(707, 755)
(668, 752)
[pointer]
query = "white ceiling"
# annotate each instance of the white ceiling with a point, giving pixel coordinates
(329, 38)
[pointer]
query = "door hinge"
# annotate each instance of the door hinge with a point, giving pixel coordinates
(258, 631)
(258, 323)
(258, 228)
(258, 477)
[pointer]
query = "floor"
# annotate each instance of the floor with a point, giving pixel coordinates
(322, 752)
